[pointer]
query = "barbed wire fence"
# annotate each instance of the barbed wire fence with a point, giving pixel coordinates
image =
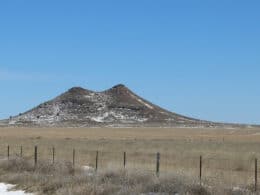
(205, 170)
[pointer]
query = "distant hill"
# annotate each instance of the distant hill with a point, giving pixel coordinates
(117, 106)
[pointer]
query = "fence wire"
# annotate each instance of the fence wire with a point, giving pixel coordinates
(224, 171)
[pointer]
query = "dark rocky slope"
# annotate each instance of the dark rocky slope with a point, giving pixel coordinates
(117, 106)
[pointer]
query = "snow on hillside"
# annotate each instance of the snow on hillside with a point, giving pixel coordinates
(117, 106)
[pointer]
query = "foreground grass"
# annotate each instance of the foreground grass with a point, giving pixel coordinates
(228, 154)
(228, 158)
(63, 179)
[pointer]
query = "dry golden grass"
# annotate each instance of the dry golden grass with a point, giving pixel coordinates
(228, 154)
(63, 179)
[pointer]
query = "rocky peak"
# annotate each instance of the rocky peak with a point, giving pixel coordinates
(119, 89)
(119, 86)
(77, 90)
(117, 106)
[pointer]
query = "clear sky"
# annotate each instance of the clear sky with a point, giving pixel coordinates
(197, 58)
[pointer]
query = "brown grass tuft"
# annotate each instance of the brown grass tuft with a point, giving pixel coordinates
(61, 178)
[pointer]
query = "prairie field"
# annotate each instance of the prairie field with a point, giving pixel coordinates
(228, 155)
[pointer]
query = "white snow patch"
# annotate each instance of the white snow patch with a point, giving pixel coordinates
(4, 190)
(100, 119)
(142, 102)
(56, 108)
(90, 95)
(12, 122)
(88, 170)
(115, 115)
(118, 115)
(142, 119)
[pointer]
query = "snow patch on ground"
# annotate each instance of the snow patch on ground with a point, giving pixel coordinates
(88, 170)
(4, 190)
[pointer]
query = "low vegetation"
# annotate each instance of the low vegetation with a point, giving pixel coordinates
(63, 179)
(227, 160)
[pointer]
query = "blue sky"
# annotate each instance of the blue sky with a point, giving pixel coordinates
(197, 58)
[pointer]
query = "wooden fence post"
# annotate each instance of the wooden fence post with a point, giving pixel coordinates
(73, 158)
(200, 168)
(8, 152)
(96, 161)
(21, 151)
(53, 155)
(256, 174)
(35, 155)
(158, 164)
(124, 159)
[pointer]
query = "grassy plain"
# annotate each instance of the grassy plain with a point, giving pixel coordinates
(228, 154)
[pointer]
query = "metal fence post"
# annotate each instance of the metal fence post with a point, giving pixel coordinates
(8, 152)
(158, 164)
(124, 159)
(73, 158)
(35, 155)
(256, 174)
(96, 161)
(21, 151)
(53, 155)
(200, 168)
